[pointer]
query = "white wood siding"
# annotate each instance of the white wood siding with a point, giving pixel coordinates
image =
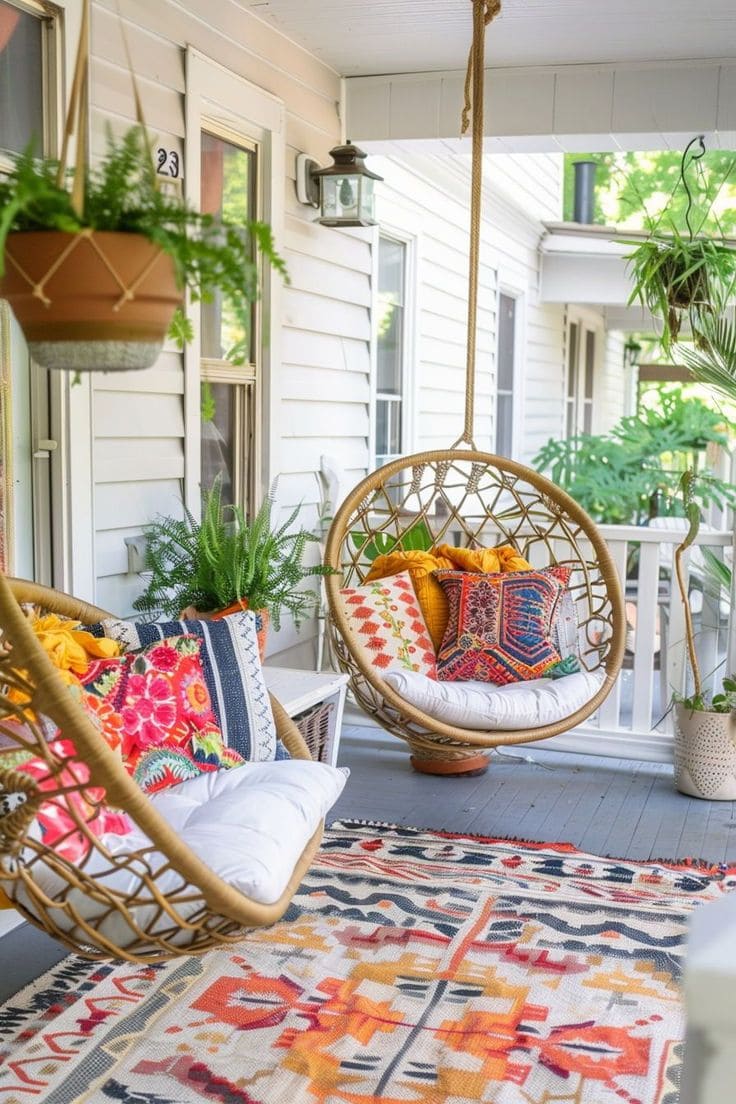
(611, 395)
(427, 197)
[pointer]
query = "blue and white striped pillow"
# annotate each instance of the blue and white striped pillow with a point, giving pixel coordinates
(232, 671)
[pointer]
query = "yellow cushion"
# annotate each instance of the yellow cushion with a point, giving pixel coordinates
(502, 558)
(4, 902)
(430, 595)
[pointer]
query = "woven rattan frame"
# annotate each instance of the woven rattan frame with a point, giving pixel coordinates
(215, 912)
(474, 499)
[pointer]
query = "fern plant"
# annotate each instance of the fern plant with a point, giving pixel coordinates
(222, 559)
(124, 194)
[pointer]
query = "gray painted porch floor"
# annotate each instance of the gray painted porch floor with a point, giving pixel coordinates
(607, 806)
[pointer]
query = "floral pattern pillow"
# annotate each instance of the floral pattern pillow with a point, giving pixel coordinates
(55, 818)
(502, 627)
(387, 624)
(154, 707)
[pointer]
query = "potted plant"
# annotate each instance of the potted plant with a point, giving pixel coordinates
(705, 728)
(95, 280)
(222, 563)
(681, 272)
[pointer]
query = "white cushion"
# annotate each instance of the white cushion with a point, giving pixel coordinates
(482, 705)
(249, 825)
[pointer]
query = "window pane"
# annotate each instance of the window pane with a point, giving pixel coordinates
(572, 361)
(391, 256)
(506, 333)
(219, 434)
(382, 448)
(21, 80)
(587, 417)
(228, 189)
(504, 424)
(570, 428)
(589, 363)
(390, 350)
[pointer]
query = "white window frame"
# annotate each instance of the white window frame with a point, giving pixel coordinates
(515, 292)
(587, 323)
(225, 104)
(62, 412)
(409, 345)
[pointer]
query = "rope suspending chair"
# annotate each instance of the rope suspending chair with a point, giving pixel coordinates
(472, 498)
(151, 903)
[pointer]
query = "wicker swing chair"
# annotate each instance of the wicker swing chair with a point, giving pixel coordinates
(105, 905)
(472, 498)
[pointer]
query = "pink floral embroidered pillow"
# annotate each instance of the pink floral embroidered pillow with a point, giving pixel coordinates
(56, 818)
(155, 707)
(502, 627)
(386, 622)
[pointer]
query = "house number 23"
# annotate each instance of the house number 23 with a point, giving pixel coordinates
(167, 163)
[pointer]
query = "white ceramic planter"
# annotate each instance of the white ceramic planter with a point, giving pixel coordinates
(705, 754)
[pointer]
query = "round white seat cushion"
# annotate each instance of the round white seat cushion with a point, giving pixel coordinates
(487, 707)
(250, 826)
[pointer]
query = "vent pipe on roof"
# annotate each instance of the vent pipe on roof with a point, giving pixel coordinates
(584, 207)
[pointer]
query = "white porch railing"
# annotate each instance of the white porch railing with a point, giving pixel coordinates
(635, 719)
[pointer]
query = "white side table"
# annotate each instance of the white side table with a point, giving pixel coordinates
(302, 692)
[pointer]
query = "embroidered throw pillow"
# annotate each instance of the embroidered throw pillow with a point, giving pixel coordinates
(430, 596)
(423, 565)
(386, 623)
(501, 626)
(153, 706)
(232, 673)
(55, 819)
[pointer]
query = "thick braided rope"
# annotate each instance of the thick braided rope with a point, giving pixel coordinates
(484, 12)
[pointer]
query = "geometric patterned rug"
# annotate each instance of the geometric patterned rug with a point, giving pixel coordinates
(412, 968)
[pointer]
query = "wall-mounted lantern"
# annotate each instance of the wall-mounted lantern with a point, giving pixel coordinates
(632, 352)
(343, 191)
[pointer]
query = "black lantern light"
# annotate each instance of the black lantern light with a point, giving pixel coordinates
(632, 352)
(343, 191)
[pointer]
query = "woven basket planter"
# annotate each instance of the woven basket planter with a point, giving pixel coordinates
(705, 754)
(93, 301)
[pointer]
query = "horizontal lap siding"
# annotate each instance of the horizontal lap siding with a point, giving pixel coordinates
(323, 378)
(428, 196)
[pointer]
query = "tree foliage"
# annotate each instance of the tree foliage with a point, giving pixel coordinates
(633, 189)
(633, 473)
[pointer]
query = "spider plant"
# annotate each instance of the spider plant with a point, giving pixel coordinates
(676, 277)
(713, 360)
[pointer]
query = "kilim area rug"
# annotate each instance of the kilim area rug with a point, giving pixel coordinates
(413, 968)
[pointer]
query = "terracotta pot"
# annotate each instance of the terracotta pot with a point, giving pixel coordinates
(705, 754)
(90, 301)
(469, 765)
(262, 620)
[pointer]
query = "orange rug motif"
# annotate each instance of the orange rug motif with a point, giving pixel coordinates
(412, 968)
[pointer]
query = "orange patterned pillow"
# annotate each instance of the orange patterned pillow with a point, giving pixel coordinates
(386, 624)
(431, 597)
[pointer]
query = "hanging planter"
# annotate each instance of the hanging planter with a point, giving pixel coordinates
(90, 301)
(95, 262)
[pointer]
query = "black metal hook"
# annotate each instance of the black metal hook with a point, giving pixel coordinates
(700, 139)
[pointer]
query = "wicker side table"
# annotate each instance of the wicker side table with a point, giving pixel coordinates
(315, 700)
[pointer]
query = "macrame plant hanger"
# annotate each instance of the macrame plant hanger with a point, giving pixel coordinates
(122, 323)
(466, 496)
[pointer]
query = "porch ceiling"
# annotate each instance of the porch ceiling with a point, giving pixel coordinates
(562, 74)
(378, 37)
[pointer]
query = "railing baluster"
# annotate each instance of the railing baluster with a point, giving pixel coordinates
(609, 715)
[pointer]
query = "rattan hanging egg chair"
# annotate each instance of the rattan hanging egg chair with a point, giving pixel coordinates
(472, 499)
(468, 497)
(155, 902)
